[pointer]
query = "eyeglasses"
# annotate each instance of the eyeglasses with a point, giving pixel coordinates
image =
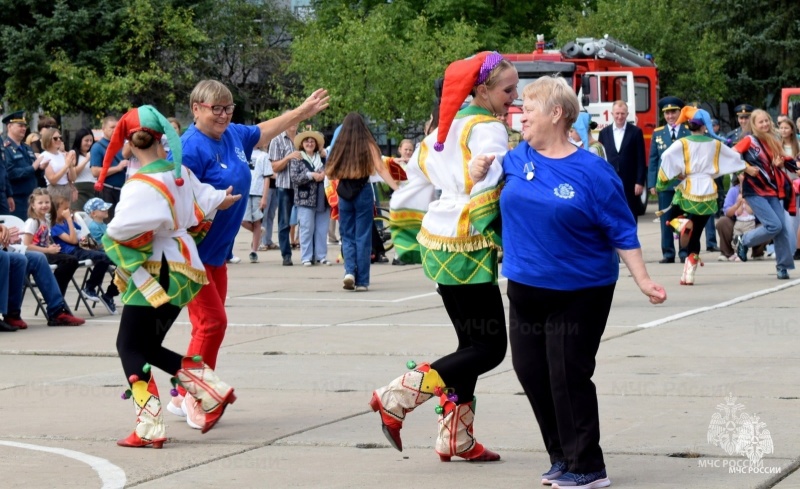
(217, 109)
(56, 138)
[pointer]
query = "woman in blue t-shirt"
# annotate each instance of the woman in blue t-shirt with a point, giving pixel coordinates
(565, 221)
(218, 151)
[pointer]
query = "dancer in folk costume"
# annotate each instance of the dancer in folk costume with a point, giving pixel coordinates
(456, 241)
(696, 161)
(152, 240)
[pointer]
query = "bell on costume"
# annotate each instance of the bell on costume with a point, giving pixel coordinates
(683, 227)
(203, 384)
(689, 267)
(401, 396)
(150, 429)
(456, 437)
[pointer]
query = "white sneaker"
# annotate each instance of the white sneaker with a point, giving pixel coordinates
(176, 409)
(235, 260)
(306, 263)
(723, 258)
(325, 262)
(194, 414)
(349, 282)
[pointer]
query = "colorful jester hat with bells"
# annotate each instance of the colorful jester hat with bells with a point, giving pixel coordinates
(459, 80)
(145, 118)
(689, 113)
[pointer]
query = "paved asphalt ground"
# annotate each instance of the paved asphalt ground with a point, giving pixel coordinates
(304, 356)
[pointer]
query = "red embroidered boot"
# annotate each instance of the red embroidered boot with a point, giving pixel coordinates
(401, 396)
(150, 429)
(456, 438)
(203, 384)
(689, 267)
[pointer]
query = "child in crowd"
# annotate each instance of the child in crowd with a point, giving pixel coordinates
(260, 171)
(745, 220)
(65, 234)
(97, 210)
(36, 237)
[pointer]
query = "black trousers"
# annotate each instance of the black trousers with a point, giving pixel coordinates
(141, 332)
(554, 339)
(698, 224)
(67, 264)
(478, 317)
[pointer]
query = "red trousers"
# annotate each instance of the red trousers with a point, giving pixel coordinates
(208, 317)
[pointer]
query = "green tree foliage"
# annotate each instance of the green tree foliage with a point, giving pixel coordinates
(33, 34)
(500, 25)
(98, 56)
(708, 50)
(690, 62)
(149, 64)
(378, 64)
(761, 41)
(248, 51)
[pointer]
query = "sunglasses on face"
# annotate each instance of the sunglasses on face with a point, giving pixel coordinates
(56, 138)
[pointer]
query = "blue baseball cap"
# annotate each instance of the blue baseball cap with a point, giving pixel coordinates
(96, 204)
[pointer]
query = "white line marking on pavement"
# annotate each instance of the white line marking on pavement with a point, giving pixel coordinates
(112, 476)
(731, 302)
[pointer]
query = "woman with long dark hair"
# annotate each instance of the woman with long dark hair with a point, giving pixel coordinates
(84, 180)
(353, 159)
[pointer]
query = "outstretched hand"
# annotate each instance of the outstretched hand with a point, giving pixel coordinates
(229, 199)
(317, 102)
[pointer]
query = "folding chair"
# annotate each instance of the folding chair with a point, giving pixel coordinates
(88, 265)
(30, 284)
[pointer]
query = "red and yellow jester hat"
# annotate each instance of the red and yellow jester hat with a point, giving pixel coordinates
(145, 118)
(460, 78)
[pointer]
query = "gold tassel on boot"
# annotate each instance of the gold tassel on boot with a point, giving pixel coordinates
(150, 429)
(401, 396)
(456, 437)
(203, 384)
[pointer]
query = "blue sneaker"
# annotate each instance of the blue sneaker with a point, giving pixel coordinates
(556, 470)
(90, 294)
(783, 274)
(592, 480)
(741, 249)
(108, 302)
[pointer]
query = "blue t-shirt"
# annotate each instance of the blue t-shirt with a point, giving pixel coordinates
(97, 230)
(221, 164)
(60, 228)
(561, 228)
(96, 155)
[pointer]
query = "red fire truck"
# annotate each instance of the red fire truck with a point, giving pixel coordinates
(601, 71)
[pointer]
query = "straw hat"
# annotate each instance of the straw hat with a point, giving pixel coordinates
(298, 140)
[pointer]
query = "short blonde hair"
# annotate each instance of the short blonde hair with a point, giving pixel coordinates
(549, 92)
(209, 91)
(46, 137)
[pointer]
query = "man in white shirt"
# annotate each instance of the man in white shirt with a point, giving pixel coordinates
(624, 145)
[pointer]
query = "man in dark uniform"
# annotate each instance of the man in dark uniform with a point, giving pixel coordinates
(742, 112)
(6, 202)
(19, 162)
(662, 138)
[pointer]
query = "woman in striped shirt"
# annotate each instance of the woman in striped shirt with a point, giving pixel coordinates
(768, 191)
